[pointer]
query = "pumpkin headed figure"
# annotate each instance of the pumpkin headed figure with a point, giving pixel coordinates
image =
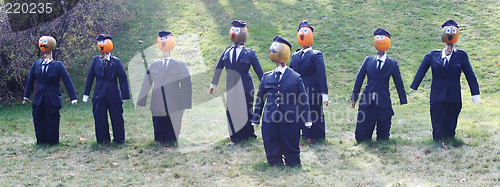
(305, 34)
(47, 43)
(279, 52)
(382, 39)
(450, 33)
(165, 41)
(104, 43)
(238, 32)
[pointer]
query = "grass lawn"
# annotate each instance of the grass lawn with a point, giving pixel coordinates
(343, 32)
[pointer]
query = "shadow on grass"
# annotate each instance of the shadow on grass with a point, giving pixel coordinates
(391, 145)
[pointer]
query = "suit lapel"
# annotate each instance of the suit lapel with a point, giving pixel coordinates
(285, 74)
(452, 58)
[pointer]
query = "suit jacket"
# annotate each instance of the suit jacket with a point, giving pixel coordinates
(172, 87)
(446, 80)
(286, 98)
(311, 68)
(49, 83)
(378, 83)
(240, 69)
(106, 76)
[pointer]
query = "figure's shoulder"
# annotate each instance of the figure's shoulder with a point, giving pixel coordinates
(317, 52)
(370, 58)
(293, 73)
(268, 73)
(460, 51)
(391, 60)
(435, 52)
(98, 57)
(115, 58)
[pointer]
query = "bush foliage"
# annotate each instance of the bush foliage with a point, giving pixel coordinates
(73, 23)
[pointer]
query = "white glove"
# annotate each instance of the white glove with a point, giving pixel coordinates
(325, 97)
(25, 98)
(74, 102)
(255, 124)
(85, 98)
(308, 124)
(476, 99)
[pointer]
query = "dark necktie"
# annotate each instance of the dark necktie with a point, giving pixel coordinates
(278, 74)
(234, 55)
(445, 60)
(379, 64)
(301, 53)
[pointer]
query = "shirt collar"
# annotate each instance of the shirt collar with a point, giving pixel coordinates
(443, 54)
(240, 46)
(282, 70)
(107, 56)
(382, 58)
(308, 49)
(45, 61)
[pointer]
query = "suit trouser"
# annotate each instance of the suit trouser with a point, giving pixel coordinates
(317, 130)
(247, 131)
(46, 121)
(167, 126)
(281, 140)
(444, 117)
(100, 110)
(370, 115)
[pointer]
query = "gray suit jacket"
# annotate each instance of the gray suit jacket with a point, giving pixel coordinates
(172, 90)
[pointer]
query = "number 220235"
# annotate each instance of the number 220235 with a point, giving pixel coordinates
(27, 8)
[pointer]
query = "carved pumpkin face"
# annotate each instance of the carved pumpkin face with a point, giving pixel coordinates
(105, 46)
(166, 43)
(279, 52)
(47, 43)
(305, 36)
(238, 34)
(449, 34)
(382, 42)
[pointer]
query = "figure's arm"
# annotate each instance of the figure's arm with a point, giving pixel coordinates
(90, 80)
(30, 82)
(259, 103)
(146, 86)
(358, 83)
(422, 70)
(217, 73)
(256, 66)
(122, 76)
(398, 81)
(471, 79)
(304, 103)
(68, 83)
(186, 87)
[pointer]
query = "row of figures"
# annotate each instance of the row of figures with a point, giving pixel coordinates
(289, 101)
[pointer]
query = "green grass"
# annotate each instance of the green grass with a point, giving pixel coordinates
(343, 32)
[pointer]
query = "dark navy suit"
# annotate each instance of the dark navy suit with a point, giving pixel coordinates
(311, 68)
(107, 97)
(446, 96)
(285, 111)
(375, 104)
(171, 96)
(48, 100)
(239, 125)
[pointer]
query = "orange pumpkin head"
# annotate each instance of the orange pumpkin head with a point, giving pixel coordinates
(450, 32)
(47, 43)
(382, 39)
(238, 32)
(305, 34)
(104, 44)
(165, 41)
(279, 52)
